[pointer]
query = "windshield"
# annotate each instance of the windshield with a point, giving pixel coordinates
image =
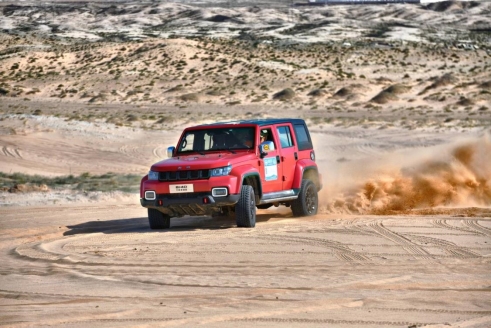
(217, 139)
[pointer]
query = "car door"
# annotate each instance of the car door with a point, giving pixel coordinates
(270, 165)
(288, 154)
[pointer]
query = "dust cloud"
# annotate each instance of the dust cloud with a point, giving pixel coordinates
(447, 176)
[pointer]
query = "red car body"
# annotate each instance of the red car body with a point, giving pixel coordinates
(206, 176)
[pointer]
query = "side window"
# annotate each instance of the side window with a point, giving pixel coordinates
(303, 137)
(285, 136)
(266, 135)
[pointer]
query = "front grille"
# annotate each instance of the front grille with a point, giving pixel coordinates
(184, 175)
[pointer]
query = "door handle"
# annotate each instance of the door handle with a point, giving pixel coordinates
(277, 159)
(295, 155)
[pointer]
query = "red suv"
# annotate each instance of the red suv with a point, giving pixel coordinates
(232, 168)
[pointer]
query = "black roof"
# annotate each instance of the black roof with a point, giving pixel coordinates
(261, 122)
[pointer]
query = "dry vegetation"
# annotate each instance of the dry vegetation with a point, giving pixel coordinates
(190, 73)
(160, 80)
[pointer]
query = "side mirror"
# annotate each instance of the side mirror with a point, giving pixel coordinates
(266, 147)
(170, 151)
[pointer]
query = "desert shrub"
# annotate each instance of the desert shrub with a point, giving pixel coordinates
(4, 91)
(348, 92)
(397, 89)
(178, 87)
(214, 92)
(131, 118)
(99, 97)
(285, 94)
(444, 80)
(317, 93)
(190, 97)
(164, 119)
(133, 92)
(114, 120)
(486, 85)
(390, 94)
(463, 101)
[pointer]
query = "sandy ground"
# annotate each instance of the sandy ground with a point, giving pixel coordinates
(77, 266)
(397, 99)
(73, 260)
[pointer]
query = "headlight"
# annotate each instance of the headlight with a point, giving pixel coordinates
(221, 171)
(153, 175)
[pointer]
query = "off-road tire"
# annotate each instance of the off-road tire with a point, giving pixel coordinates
(158, 220)
(308, 201)
(245, 210)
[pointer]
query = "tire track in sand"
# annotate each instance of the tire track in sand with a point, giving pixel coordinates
(448, 247)
(11, 152)
(474, 225)
(406, 243)
(288, 321)
(444, 224)
(379, 229)
(160, 152)
(341, 251)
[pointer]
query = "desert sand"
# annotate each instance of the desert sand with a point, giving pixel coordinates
(398, 101)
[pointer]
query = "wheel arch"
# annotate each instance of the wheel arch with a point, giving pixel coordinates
(307, 170)
(311, 173)
(253, 179)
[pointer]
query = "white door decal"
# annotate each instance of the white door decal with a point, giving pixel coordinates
(270, 169)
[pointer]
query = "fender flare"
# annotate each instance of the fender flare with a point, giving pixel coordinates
(245, 172)
(306, 167)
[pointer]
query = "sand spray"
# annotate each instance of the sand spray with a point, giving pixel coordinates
(456, 175)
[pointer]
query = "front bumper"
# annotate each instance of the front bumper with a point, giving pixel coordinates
(189, 203)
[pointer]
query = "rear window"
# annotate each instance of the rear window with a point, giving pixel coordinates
(303, 137)
(285, 136)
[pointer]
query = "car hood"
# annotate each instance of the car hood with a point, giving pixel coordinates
(200, 162)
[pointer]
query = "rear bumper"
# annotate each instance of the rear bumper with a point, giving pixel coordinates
(189, 204)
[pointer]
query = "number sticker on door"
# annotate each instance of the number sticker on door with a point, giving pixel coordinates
(270, 169)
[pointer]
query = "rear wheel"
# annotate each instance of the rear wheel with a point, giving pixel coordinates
(158, 220)
(307, 202)
(245, 210)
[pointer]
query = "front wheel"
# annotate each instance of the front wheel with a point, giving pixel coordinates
(245, 210)
(158, 220)
(307, 202)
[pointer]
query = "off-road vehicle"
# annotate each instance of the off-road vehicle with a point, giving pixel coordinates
(232, 168)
